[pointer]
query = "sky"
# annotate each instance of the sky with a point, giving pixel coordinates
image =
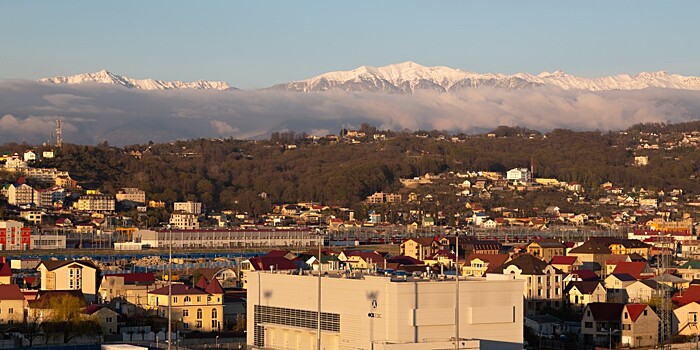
(256, 44)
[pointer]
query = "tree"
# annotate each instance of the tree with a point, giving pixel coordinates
(67, 321)
(31, 328)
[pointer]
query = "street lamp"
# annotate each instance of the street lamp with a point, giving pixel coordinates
(610, 332)
(217, 341)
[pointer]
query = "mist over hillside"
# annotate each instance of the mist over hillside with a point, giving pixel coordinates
(94, 113)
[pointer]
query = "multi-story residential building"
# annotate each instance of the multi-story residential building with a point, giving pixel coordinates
(188, 207)
(20, 195)
(546, 249)
(364, 311)
(14, 236)
(381, 197)
(419, 248)
(70, 275)
(184, 221)
(12, 304)
(519, 174)
(32, 216)
(131, 194)
(544, 284)
(50, 196)
(199, 308)
(45, 175)
(96, 203)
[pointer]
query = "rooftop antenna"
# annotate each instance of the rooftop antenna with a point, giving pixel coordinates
(59, 132)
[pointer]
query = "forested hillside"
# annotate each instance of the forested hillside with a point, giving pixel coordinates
(233, 173)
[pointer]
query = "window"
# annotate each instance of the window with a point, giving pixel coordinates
(645, 312)
(556, 279)
(626, 316)
(214, 313)
(199, 298)
(174, 300)
(199, 314)
(185, 313)
(10, 311)
(188, 299)
(198, 324)
(588, 325)
(214, 324)
(186, 325)
(108, 319)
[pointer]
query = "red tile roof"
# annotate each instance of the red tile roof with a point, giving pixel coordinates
(585, 275)
(635, 310)
(5, 270)
(265, 262)
(91, 309)
(214, 287)
(179, 289)
(635, 269)
(10, 292)
(563, 260)
(495, 260)
(202, 283)
(135, 278)
(606, 311)
(692, 294)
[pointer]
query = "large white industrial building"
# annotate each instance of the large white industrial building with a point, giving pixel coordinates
(378, 312)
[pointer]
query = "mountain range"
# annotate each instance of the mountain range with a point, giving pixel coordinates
(106, 77)
(410, 77)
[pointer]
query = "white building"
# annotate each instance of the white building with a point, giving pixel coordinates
(20, 194)
(32, 216)
(131, 194)
(48, 242)
(226, 238)
(98, 203)
(188, 207)
(29, 156)
(184, 221)
(383, 312)
(70, 275)
(519, 174)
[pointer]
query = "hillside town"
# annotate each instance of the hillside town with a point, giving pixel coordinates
(522, 261)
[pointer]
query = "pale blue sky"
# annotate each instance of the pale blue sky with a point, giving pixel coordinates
(259, 43)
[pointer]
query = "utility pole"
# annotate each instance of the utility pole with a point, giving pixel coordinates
(457, 289)
(170, 287)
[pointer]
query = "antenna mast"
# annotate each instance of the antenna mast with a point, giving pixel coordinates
(664, 262)
(59, 132)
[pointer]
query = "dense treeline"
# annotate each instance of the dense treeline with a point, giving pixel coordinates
(234, 173)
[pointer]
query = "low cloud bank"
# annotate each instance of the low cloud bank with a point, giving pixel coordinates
(94, 113)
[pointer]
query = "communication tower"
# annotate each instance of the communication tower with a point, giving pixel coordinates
(59, 132)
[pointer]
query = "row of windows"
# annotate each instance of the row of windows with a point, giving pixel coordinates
(9, 311)
(293, 318)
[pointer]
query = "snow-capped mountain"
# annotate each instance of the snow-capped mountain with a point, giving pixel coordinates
(106, 77)
(409, 77)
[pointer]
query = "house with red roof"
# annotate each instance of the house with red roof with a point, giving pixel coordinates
(479, 265)
(198, 308)
(639, 326)
(5, 273)
(629, 325)
(12, 304)
(104, 316)
(566, 263)
(690, 295)
(637, 269)
(132, 287)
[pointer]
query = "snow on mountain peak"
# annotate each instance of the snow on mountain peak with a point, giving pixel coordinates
(106, 77)
(409, 77)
